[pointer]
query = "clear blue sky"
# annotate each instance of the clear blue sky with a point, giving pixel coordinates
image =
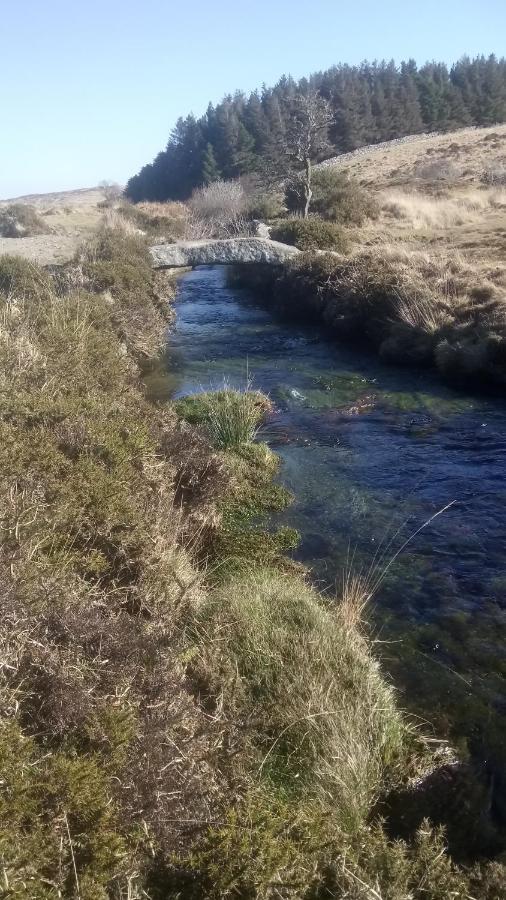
(90, 90)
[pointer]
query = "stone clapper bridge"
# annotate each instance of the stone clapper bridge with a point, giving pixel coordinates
(186, 254)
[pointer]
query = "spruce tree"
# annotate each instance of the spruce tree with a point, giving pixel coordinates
(210, 170)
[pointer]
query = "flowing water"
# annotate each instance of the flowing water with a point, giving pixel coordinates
(371, 453)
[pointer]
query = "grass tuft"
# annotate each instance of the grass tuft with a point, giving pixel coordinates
(231, 417)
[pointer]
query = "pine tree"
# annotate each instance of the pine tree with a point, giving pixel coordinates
(412, 121)
(243, 156)
(494, 93)
(256, 122)
(210, 170)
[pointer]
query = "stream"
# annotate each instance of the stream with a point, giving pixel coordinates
(371, 453)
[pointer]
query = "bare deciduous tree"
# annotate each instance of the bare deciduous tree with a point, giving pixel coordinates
(111, 191)
(307, 136)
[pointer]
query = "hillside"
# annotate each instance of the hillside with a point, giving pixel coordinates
(443, 192)
(68, 217)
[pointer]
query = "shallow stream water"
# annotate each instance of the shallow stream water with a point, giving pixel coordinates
(371, 453)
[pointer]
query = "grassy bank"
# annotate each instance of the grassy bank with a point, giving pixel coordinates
(413, 308)
(181, 714)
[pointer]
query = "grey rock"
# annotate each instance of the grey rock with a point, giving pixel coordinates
(262, 230)
(221, 252)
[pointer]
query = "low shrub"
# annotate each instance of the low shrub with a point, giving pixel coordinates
(265, 205)
(310, 234)
(22, 279)
(118, 261)
(437, 172)
(222, 206)
(336, 198)
(269, 841)
(21, 220)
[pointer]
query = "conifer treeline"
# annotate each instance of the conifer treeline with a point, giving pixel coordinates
(372, 102)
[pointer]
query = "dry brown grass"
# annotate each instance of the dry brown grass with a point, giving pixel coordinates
(437, 250)
(113, 219)
(418, 211)
(168, 210)
(437, 191)
(469, 150)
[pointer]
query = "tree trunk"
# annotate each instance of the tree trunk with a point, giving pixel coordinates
(308, 193)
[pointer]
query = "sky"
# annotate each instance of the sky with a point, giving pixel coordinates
(90, 89)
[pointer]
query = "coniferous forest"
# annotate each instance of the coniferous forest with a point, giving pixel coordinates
(371, 103)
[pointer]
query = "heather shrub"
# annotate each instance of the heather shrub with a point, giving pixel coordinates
(310, 234)
(119, 262)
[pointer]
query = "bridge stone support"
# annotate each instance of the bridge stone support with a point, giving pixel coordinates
(221, 252)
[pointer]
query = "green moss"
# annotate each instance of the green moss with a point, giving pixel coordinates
(245, 538)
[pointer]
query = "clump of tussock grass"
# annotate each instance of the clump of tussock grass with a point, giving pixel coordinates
(327, 738)
(414, 307)
(115, 220)
(159, 221)
(231, 420)
(327, 724)
(22, 280)
(231, 417)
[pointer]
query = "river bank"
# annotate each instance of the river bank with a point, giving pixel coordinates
(412, 308)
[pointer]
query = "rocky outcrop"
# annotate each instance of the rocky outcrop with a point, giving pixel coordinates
(221, 252)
